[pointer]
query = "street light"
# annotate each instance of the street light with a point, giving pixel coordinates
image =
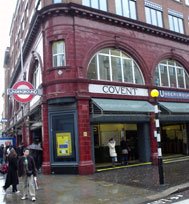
(154, 94)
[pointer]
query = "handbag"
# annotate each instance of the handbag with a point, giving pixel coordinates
(4, 168)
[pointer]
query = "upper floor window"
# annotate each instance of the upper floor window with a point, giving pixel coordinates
(57, 1)
(37, 77)
(114, 65)
(187, 2)
(170, 73)
(58, 53)
(97, 4)
(126, 8)
(153, 13)
(176, 21)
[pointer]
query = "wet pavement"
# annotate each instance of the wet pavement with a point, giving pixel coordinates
(131, 185)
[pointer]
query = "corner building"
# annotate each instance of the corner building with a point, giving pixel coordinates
(95, 62)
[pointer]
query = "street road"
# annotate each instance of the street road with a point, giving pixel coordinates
(177, 198)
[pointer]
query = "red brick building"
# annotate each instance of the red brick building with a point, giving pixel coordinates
(96, 63)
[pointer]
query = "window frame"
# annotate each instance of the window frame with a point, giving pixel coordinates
(122, 58)
(59, 1)
(96, 4)
(149, 17)
(54, 54)
(187, 2)
(122, 11)
(176, 66)
(176, 21)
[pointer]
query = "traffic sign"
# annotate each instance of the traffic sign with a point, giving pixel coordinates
(22, 91)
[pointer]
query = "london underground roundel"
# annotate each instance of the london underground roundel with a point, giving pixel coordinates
(23, 91)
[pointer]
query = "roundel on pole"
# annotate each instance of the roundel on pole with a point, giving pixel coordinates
(23, 91)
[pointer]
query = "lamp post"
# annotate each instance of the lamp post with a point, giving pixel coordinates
(154, 94)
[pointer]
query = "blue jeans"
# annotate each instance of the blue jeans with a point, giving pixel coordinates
(124, 158)
(114, 159)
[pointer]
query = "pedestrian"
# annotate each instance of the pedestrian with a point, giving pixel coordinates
(124, 151)
(112, 151)
(20, 150)
(27, 172)
(12, 174)
(1, 153)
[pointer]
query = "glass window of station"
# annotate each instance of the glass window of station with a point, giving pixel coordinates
(115, 65)
(170, 73)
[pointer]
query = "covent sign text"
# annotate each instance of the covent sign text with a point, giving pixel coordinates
(118, 90)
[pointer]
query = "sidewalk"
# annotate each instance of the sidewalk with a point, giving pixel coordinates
(131, 185)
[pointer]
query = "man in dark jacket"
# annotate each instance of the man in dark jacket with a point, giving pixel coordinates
(27, 172)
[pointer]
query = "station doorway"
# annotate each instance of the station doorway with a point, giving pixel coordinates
(174, 139)
(134, 135)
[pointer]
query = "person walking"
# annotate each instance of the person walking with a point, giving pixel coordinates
(112, 151)
(124, 151)
(1, 153)
(12, 174)
(27, 172)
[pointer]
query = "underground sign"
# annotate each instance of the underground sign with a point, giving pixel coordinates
(22, 91)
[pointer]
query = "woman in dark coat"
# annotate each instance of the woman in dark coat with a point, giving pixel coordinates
(12, 175)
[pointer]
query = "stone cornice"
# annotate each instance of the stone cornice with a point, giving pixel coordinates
(73, 9)
(112, 19)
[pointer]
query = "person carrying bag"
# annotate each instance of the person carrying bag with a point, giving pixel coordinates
(27, 171)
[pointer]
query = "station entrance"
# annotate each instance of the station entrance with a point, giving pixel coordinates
(103, 132)
(174, 139)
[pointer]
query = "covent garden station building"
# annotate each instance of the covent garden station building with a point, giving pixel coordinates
(96, 70)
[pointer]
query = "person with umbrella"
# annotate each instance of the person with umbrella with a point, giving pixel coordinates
(36, 152)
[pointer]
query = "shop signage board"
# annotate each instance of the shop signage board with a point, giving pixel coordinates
(23, 91)
(173, 94)
(117, 90)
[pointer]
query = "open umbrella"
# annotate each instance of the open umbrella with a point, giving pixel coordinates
(35, 147)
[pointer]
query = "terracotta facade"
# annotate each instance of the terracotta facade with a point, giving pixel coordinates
(85, 32)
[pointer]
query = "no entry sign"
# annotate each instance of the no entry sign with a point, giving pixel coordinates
(22, 91)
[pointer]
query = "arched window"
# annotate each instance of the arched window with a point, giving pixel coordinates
(114, 65)
(170, 73)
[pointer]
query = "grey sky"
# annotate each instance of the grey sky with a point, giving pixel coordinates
(6, 13)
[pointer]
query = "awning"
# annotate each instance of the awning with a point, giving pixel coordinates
(115, 105)
(175, 107)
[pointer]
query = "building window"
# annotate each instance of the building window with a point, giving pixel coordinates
(57, 1)
(176, 21)
(170, 73)
(58, 52)
(37, 79)
(153, 13)
(154, 17)
(187, 2)
(97, 4)
(126, 8)
(114, 65)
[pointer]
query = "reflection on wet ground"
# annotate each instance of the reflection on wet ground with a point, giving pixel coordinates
(122, 186)
(148, 176)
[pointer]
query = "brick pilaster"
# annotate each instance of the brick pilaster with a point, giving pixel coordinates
(86, 165)
(45, 140)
